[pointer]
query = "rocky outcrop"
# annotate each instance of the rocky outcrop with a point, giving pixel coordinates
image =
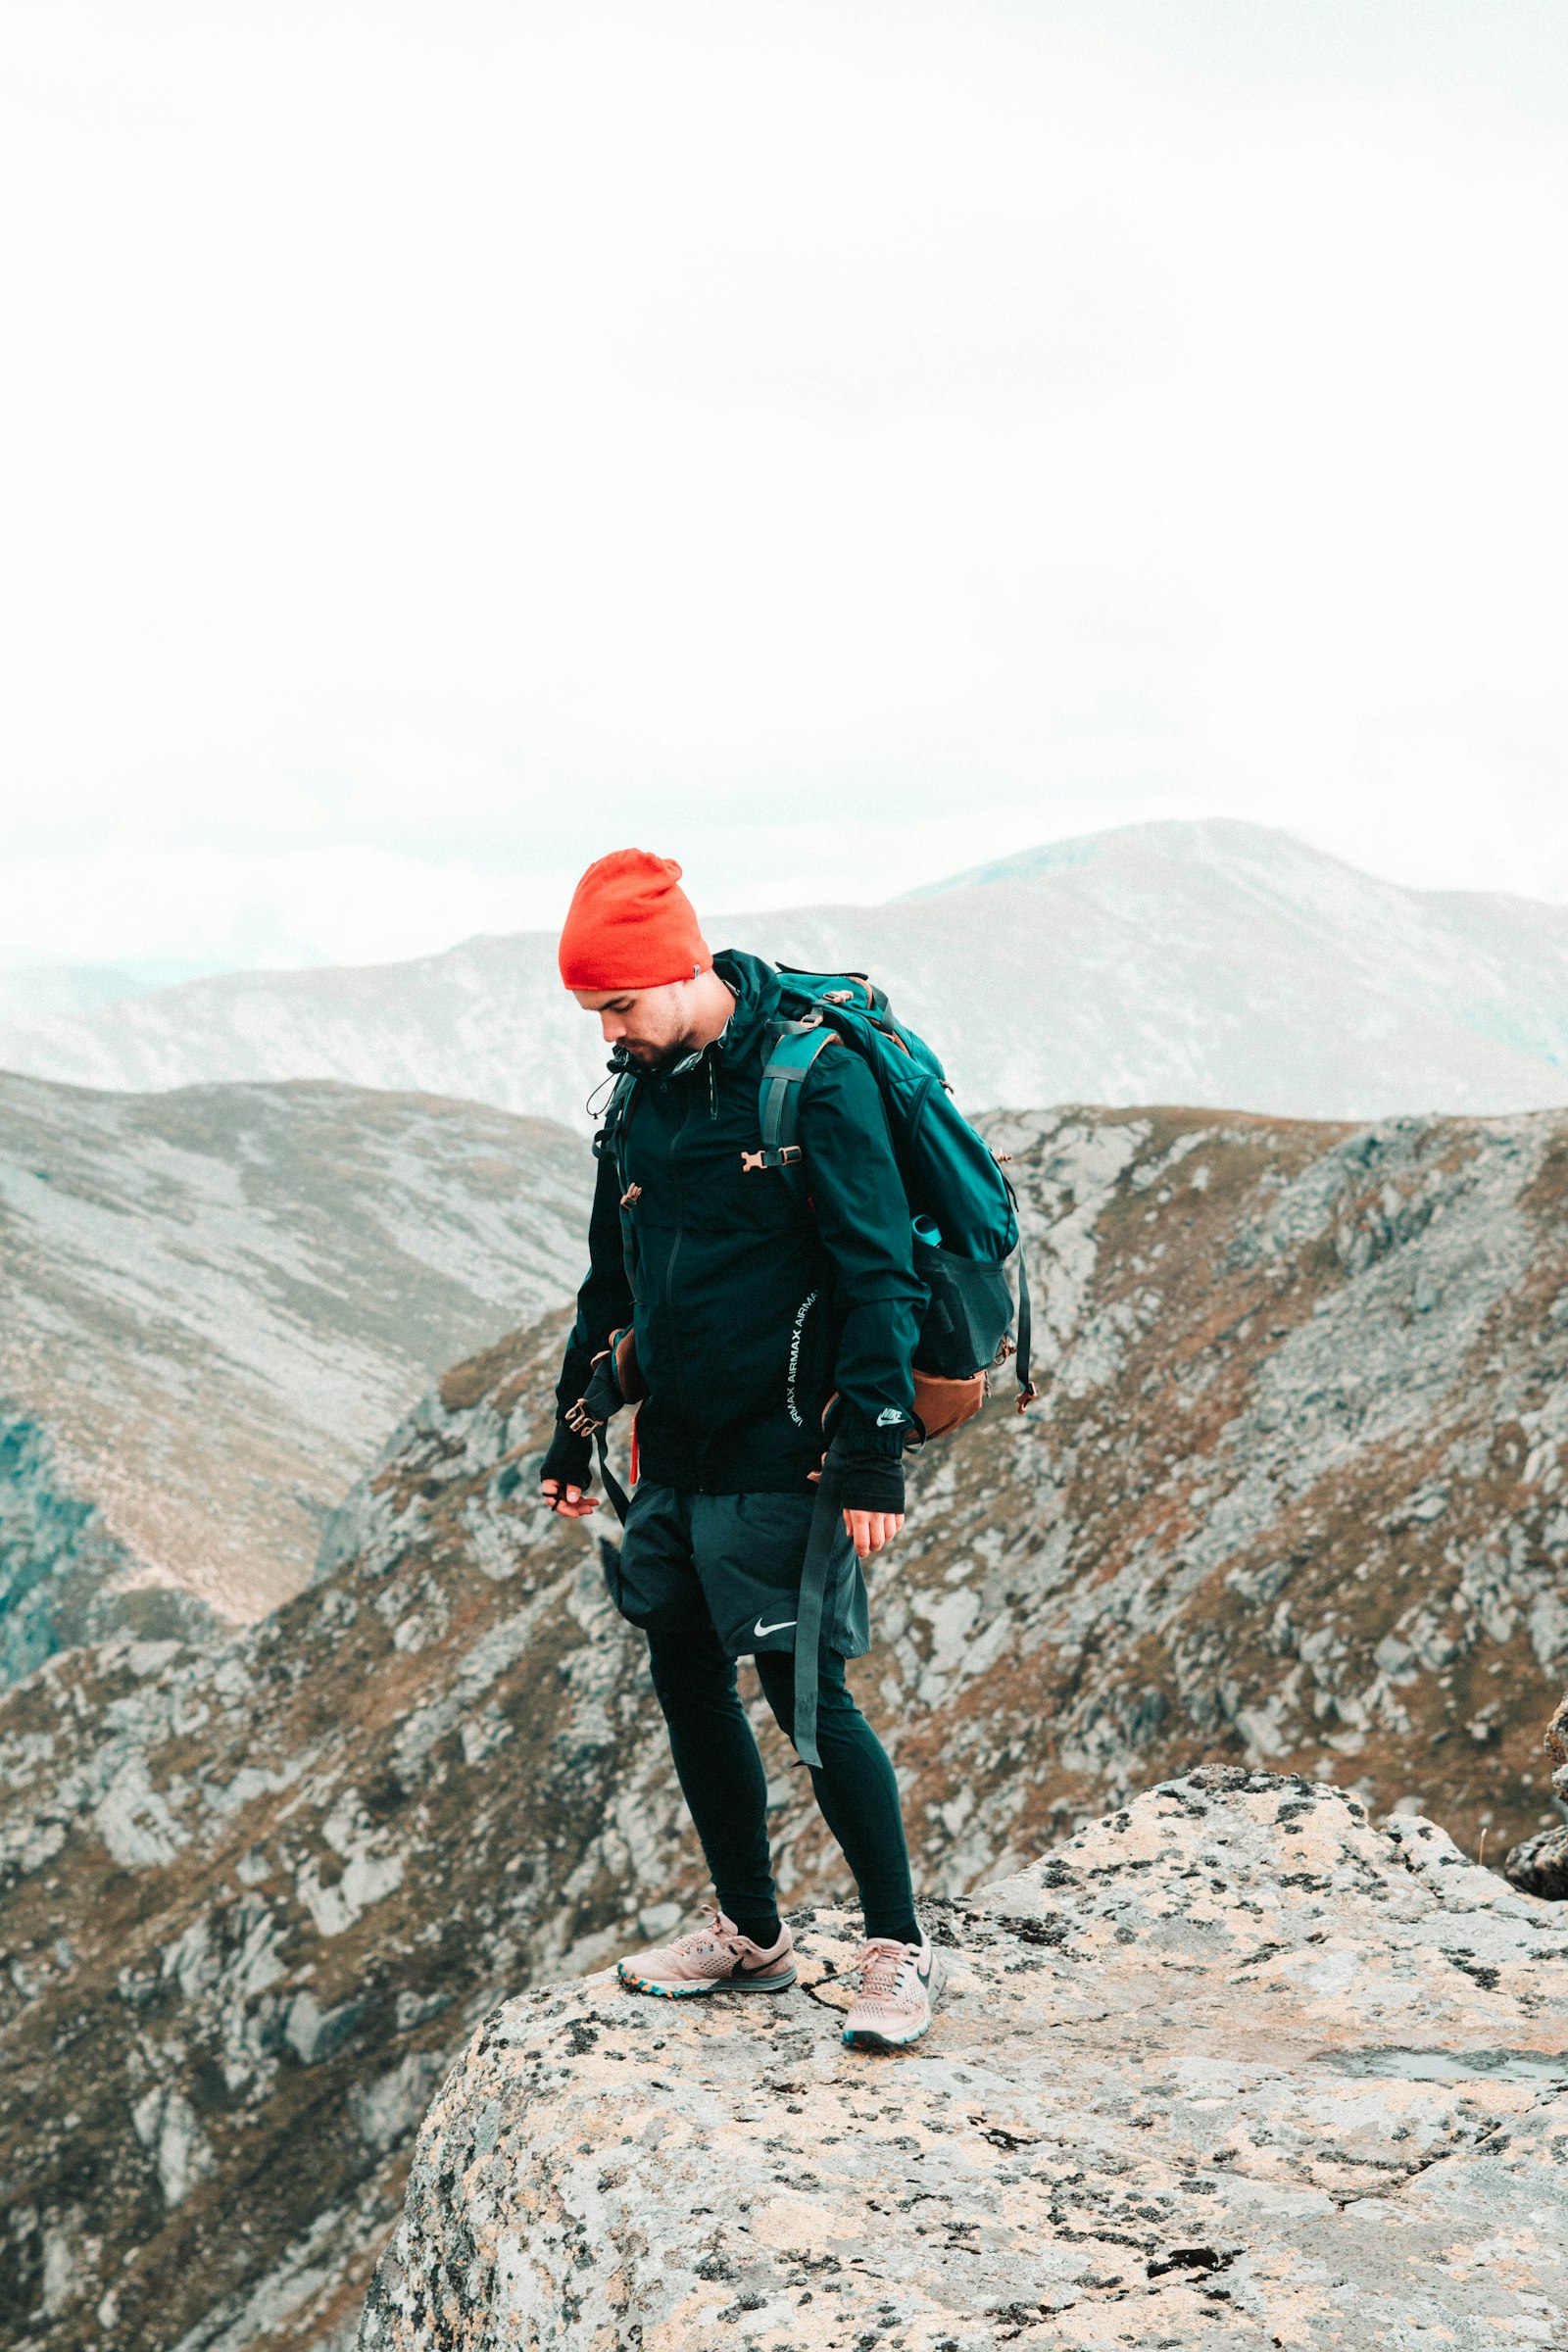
(1292, 1501)
(216, 1303)
(1539, 1865)
(1233, 2067)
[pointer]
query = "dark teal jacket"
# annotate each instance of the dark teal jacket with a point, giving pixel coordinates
(752, 1306)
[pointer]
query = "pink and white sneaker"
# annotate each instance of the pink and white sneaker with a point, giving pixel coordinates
(898, 1982)
(716, 1958)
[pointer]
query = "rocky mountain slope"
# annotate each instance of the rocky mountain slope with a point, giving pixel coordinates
(1216, 964)
(1234, 2069)
(215, 1304)
(30, 989)
(1292, 1501)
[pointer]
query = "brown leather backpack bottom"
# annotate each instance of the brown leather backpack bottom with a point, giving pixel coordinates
(945, 1405)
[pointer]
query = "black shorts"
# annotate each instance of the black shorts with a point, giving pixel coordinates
(732, 1563)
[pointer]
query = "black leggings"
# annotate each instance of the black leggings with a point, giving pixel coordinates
(725, 1788)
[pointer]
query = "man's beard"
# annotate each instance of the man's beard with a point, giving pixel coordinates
(642, 1056)
(680, 1053)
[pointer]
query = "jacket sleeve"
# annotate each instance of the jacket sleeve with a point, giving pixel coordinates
(862, 1215)
(604, 1301)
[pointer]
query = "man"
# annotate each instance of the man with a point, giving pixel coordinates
(759, 1314)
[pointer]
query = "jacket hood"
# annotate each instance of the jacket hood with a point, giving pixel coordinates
(758, 990)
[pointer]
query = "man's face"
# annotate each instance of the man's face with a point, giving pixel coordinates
(648, 1023)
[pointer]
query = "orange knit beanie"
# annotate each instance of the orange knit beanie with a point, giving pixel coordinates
(630, 925)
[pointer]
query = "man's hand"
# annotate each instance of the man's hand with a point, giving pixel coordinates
(868, 1531)
(573, 1504)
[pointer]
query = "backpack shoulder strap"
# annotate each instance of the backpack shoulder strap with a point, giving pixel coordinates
(793, 1049)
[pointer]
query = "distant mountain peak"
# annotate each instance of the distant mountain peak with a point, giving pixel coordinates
(1181, 840)
(1210, 960)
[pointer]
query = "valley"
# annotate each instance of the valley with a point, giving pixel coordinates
(1292, 1503)
(216, 1303)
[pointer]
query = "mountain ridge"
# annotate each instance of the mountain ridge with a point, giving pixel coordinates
(1212, 963)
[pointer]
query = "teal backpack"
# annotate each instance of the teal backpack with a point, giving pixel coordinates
(964, 1209)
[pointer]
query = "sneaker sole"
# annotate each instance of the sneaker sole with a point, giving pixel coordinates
(867, 2038)
(691, 1993)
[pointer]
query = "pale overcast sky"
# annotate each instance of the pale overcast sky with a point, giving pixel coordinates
(829, 441)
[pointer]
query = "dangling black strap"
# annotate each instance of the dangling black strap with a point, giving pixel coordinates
(1027, 1391)
(619, 1501)
(818, 1572)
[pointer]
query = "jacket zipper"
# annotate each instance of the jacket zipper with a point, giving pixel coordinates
(675, 1247)
(631, 1248)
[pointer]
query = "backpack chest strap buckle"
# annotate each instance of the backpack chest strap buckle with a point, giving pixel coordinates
(772, 1156)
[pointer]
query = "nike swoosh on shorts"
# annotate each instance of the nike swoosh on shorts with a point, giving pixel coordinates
(759, 1629)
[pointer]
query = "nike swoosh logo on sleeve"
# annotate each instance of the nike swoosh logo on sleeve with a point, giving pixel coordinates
(759, 1629)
